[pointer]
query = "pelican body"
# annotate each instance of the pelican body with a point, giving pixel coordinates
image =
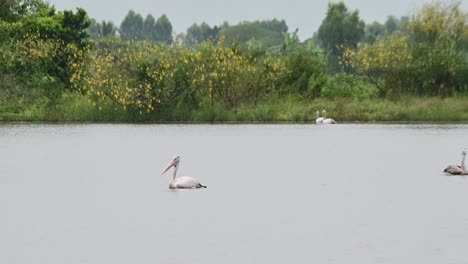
(181, 182)
(457, 169)
(327, 120)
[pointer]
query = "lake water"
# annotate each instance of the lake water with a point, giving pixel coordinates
(276, 194)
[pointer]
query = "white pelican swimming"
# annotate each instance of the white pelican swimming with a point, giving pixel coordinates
(181, 182)
(319, 119)
(458, 169)
(327, 120)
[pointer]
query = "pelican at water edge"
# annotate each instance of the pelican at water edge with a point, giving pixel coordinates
(181, 182)
(319, 119)
(327, 120)
(458, 169)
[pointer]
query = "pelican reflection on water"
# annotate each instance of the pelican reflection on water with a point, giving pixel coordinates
(181, 182)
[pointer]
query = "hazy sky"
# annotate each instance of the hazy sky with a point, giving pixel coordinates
(303, 14)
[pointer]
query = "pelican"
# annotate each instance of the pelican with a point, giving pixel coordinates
(457, 169)
(319, 119)
(181, 182)
(327, 120)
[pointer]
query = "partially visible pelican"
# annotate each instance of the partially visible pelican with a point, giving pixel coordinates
(458, 169)
(327, 120)
(319, 119)
(181, 182)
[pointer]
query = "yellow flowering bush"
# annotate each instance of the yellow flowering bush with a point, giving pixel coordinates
(146, 76)
(427, 58)
(34, 66)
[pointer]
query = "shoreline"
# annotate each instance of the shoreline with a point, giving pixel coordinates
(428, 122)
(77, 109)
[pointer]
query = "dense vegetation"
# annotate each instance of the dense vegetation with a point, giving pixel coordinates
(66, 66)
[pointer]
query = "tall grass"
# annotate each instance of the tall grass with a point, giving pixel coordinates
(74, 107)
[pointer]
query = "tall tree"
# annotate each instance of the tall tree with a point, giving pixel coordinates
(374, 32)
(12, 10)
(74, 26)
(290, 41)
(275, 25)
(60, 38)
(94, 29)
(199, 33)
(267, 33)
(107, 29)
(149, 28)
(392, 24)
(102, 29)
(377, 31)
(163, 30)
(132, 26)
(6, 12)
(428, 57)
(339, 30)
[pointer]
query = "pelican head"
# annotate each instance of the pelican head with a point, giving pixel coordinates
(318, 114)
(174, 163)
(324, 113)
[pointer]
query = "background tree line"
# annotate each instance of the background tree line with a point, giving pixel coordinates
(134, 27)
(334, 62)
(141, 66)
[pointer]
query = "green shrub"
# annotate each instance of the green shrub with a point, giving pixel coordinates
(350, 86)
(427, 58)
(307, 71)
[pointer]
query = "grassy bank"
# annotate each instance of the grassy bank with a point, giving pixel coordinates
(77, 108)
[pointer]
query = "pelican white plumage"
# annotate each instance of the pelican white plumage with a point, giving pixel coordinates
(319, 119)
(458, 169)
(327, 120)
(181, 182)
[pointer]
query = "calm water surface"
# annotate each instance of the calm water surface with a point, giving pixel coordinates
(276, 194)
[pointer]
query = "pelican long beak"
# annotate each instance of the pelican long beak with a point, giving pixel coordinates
(172, 164)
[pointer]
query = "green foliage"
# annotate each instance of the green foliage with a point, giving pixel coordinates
(67, 26)
(197, 34)
(341, 29)
(155, 30)
(102, 29)
(131, 27)
(438, 33)
(13, 10)
(290, 41)
(427, 58)
(74, 27)
(163, 30)
(377, 31)
(34, 66)
(394, 24)
(307, 71)
(146, 76)
(77, 107)
(253, 71)
(374, 32)
(6, 12)
(269, 33)
(348, 86)
(149, 28)
(38, 48)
